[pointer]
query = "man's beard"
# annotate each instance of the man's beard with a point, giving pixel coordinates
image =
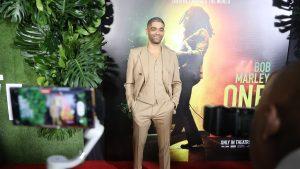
(155, 41)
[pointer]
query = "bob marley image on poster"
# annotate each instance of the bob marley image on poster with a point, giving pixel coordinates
(196, 35)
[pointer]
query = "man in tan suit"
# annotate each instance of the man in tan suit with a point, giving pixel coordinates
(153, 89)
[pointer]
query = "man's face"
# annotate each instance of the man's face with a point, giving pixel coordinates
(155, 32)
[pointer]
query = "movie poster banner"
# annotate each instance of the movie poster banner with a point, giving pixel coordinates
(227, 50)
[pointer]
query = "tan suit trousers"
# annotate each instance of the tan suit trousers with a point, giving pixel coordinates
(161, 115)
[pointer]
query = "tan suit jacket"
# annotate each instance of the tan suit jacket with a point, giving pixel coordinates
(137, 74)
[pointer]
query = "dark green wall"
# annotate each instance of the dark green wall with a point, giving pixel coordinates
(20, 144)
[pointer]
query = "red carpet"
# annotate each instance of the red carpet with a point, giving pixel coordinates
(146, 165)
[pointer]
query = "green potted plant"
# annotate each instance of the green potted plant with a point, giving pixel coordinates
(61, 41)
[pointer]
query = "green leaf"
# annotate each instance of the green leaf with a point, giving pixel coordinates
(62, 52)
(48, 9)
(82, 31)
(81, 71)
(41, 18)
(61, 63)
(91, 29)
(97, 22)
(39, 5)
(30, 38)
(40, 80)
(13, 9)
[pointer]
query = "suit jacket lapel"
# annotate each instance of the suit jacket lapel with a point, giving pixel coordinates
(144, 61)
(164, 56)
(165, 61)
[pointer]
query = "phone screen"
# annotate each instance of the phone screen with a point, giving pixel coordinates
(53, 107)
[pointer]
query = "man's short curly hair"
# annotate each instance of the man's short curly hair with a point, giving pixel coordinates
(155, 19)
